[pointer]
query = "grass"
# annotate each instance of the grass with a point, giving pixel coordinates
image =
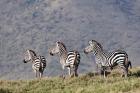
(83, 84)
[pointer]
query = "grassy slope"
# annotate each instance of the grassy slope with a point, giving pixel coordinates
(83, 84)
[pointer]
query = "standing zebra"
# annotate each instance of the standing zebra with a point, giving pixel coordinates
(108, 59)
(70, 59)
(38, 62)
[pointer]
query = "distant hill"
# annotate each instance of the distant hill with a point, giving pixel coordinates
(37, 24)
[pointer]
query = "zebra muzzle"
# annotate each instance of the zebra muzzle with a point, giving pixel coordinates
(85, 52)
(51, 53)
(24, 61)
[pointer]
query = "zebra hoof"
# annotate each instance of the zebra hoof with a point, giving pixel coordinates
(24, 61)
(62, 76)
(51, 54)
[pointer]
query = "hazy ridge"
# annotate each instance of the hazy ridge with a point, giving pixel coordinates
(37, 24)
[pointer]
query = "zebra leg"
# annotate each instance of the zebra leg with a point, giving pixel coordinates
(97, 69)
(75, 71)
(104, 73)
(75, 67)
(124, 72)
(100, 71)
(69, 71)
(40, 74)
(63, 69)
(129, 65)
(35, 71)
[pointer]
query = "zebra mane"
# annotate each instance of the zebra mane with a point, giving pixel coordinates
(98, 44)
(62, 44)
(33, 52)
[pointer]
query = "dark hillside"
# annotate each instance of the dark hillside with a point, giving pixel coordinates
(37, 24)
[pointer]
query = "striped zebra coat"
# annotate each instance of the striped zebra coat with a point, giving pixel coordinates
(70, 59)
(38, 62)
(108, 59)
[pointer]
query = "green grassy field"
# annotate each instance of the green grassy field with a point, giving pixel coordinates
(83, 84)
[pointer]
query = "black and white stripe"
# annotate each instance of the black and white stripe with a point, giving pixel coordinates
(38, 62)
(69, 59)
(108, 59)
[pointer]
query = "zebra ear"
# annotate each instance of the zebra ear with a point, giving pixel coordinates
(27, 50)
(57, 42)
(90, 42)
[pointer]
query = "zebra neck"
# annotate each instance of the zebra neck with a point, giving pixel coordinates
(63, 57)
(98, 52)
(33, 58)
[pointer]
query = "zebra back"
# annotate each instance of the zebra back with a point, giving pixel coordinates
(73, 58)
(39, 63)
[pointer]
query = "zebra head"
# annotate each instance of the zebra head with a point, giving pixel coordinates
(29, 55)
(57, 49)
(93, 46)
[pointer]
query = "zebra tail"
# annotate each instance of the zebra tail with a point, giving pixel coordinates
(126, 62)
(130, 65)
(75, 57)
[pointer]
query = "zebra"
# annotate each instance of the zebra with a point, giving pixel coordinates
(106, 59)
(70, 59)
(38, 62)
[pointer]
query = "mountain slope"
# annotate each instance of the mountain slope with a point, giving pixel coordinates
(37, 24)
